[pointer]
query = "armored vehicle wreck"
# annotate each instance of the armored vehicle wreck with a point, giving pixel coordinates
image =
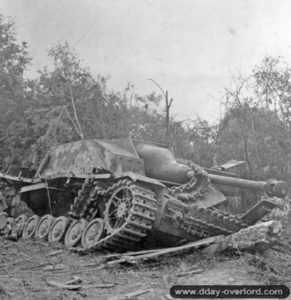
(123, 194)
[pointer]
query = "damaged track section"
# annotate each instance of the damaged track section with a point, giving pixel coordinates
(127, 219)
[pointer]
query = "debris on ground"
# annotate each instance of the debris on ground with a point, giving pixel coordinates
(259, 236)
(133, 259)
(131, 295)
(54, 267)
(71, 285)
(75, 280)
(63, 285)
(86, 279)
(192, 272)
(53, 253)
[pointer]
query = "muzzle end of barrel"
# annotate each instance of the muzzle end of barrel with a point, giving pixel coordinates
(274, 188)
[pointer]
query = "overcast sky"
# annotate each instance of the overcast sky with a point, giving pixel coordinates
(190, 47)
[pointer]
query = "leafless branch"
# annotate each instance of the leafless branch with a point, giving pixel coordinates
(75, 113)
(164, 94)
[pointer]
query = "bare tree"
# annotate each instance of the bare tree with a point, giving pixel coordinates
(167, 110)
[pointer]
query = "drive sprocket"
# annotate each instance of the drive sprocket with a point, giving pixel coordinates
(129, 215)
(117, 208)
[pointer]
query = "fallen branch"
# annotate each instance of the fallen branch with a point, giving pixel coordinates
(99, 286)
(160, 252)
(59, 285)
(53, 253)
(75, 287)
(75, 280)
(259, 236)
(132, 253)
(131, 295)
(40, 266)
(123, 259)
(198, 271)
(54, 267)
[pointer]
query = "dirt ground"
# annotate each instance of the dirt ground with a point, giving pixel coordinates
(26, 266)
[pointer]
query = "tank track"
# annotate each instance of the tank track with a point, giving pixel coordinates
(206, 222)
(80, 201)
(201, 222)
(139, 222)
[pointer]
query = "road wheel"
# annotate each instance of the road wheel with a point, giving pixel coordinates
(74, 232)
(19, 225)
(30, 227)
(92, 233)
(58, 229)
(43, 226)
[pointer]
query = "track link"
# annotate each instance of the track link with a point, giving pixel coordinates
(141, 217)
(206, 222)
(141, 214)
(203, 222)
(210, 222)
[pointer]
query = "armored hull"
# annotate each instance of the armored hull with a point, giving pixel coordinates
(125, 194)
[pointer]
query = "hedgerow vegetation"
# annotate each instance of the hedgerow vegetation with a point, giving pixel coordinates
(68, 102)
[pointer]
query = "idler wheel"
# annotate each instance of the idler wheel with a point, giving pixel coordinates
(58, 229)
(92, 233)
(19, 225)
(29, 227)
(3, 221)
(43, 226)
(74, 232)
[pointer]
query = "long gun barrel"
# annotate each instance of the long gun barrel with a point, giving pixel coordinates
(161, 164)
(271, 187)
